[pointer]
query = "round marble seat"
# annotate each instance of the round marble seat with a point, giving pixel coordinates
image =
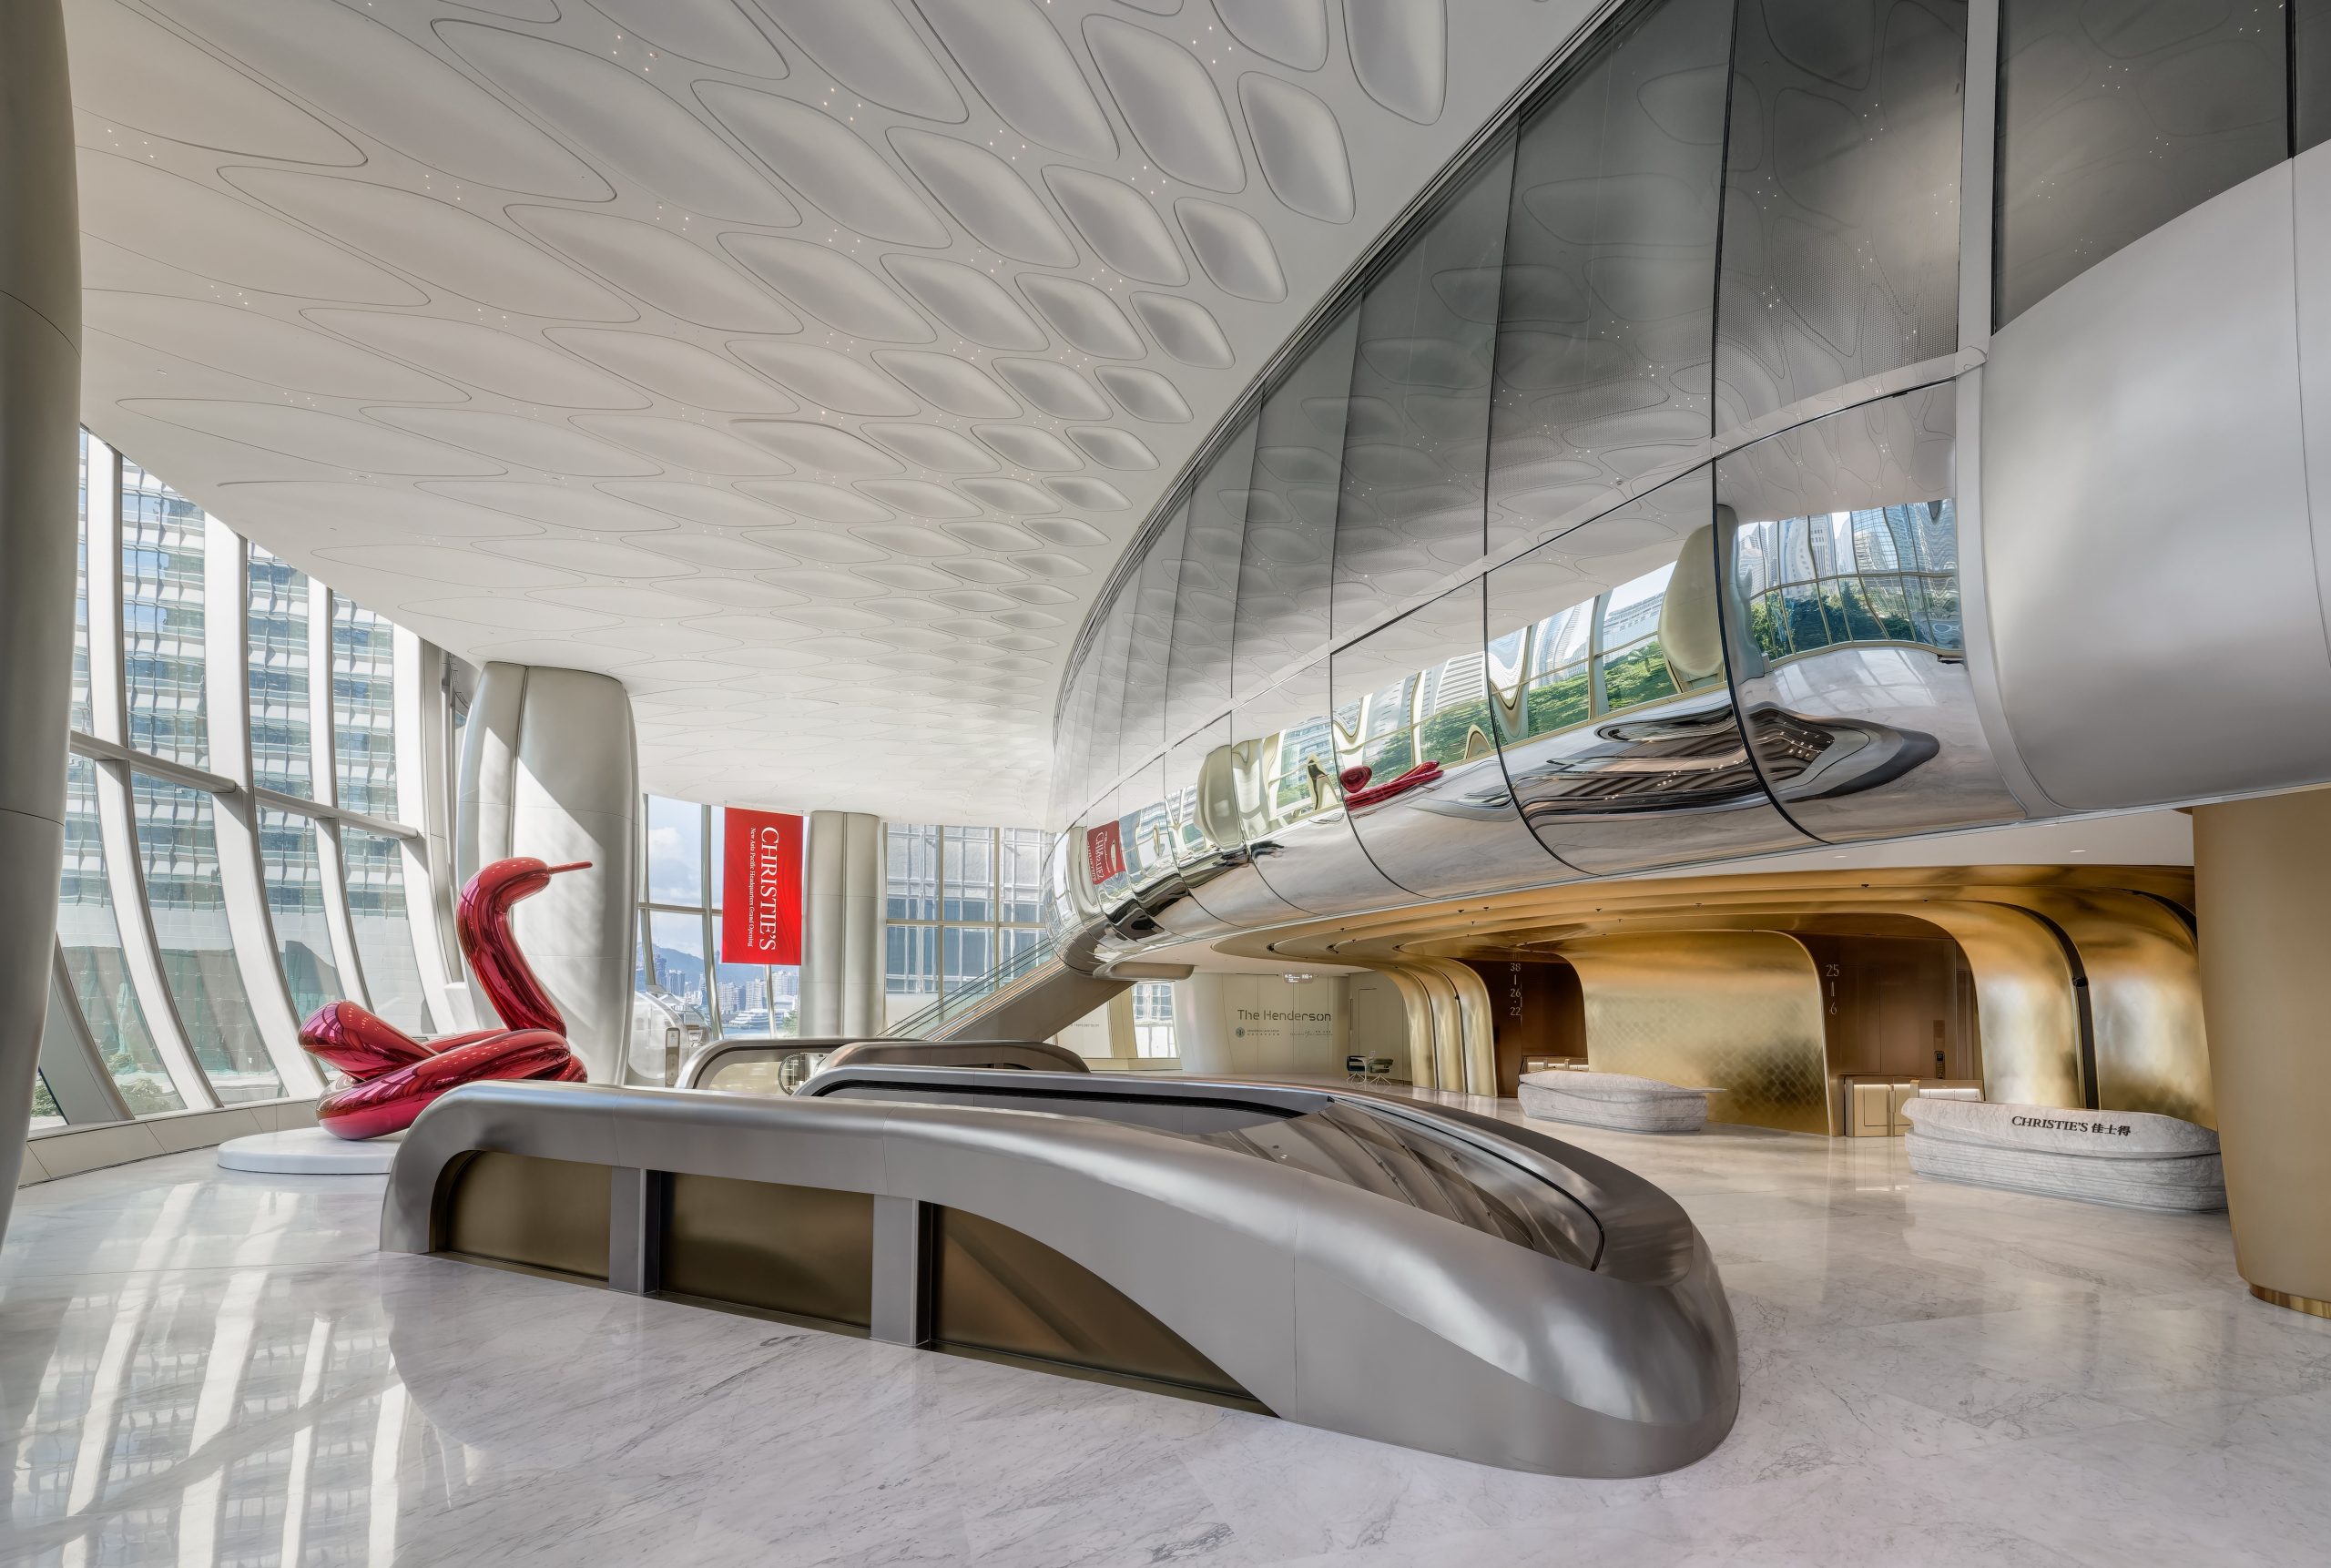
(1617, 1100)
(2129, 1158)
(309, 1151)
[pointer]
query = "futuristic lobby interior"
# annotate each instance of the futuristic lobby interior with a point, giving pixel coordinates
(1357, 783)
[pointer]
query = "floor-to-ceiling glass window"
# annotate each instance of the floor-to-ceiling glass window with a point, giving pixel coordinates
(90, 935)
(177, 846)
(282, 719)
(958, 902)
(162, 619)
(186, 854)
(382, 919)
(680, 948)
(363, 709)
(1153, 1019)
(293, 869)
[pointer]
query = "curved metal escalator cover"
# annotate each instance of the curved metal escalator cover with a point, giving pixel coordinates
(1350, 1144)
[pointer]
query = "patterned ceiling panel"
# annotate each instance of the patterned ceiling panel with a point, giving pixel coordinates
(804, 365)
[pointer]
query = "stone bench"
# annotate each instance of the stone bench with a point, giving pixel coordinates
(1615, 1100)
(2130, 1158)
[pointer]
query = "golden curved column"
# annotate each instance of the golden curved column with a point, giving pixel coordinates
(1476, 1040)
(2145, 1002)
(2024, 1002)
(1738, 1011)
(1448, 1026)
(1416, 1006)
(2262, 869)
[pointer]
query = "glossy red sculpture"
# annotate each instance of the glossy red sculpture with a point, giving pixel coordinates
(397, 1075)
(1358, 793)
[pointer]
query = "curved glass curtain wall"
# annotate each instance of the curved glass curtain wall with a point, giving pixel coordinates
(1607, 523)
(223, 806)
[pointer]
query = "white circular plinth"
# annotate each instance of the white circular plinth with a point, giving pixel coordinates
(309, 1151)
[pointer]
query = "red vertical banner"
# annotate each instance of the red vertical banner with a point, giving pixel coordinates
(1105, 852)
(760, 914)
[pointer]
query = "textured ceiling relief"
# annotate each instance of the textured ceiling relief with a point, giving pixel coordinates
(806, 366)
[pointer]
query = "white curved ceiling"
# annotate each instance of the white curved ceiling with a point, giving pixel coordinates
(805, 364)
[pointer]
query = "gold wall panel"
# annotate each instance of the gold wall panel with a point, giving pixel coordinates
(2144, 1002)
(996, 1291)
(1416, 1007)
(2263, 868)
(2026, 1010)
(1736, 1011)
(524, 1209)
(803, 1251)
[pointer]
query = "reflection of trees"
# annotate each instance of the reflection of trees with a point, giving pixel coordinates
(1917, 608)
(1637, 675)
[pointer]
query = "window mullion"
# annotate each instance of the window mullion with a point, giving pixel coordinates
(414, 701)
(108, 700)
(226, 595)
(324, 766)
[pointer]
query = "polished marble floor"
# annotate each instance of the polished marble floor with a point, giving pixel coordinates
(202, 1367)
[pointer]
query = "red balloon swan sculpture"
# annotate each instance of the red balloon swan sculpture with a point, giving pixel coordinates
(396, 1075)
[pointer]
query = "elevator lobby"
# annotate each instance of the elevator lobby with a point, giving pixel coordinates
(1263, 782)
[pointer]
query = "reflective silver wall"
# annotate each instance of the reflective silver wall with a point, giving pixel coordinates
(1626, 512)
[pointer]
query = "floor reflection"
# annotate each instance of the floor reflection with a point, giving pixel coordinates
(203, 1369)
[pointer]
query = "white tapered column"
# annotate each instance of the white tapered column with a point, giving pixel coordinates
(550, 769)
(841, 925)
(40, 403)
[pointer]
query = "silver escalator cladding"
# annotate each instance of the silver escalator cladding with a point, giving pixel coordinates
(1361, 1140)
(1375, 1266)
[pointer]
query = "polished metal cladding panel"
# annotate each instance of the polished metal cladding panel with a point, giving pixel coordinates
(997, 1291)
(1839, 542)
(1153, 593)
(1111, 654)
(1200, 856)
(1618, 736)
(1605, 308)
(530, 1210)
(1206, 600)
(1841, 198)
(801, 1251)
(2149, 560)
(1021, 1055)
(1739, 1011)
(1417, 755)
(1286, 566)
(1153, 888)
(1292, 810)
(1374, 1143)
(2115, 115)
(1223, 802)
(1324, 1302)
(1415, 432)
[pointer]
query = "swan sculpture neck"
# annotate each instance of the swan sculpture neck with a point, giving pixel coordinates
(483, 920)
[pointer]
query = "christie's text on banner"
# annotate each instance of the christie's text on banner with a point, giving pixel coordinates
(760, 915)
